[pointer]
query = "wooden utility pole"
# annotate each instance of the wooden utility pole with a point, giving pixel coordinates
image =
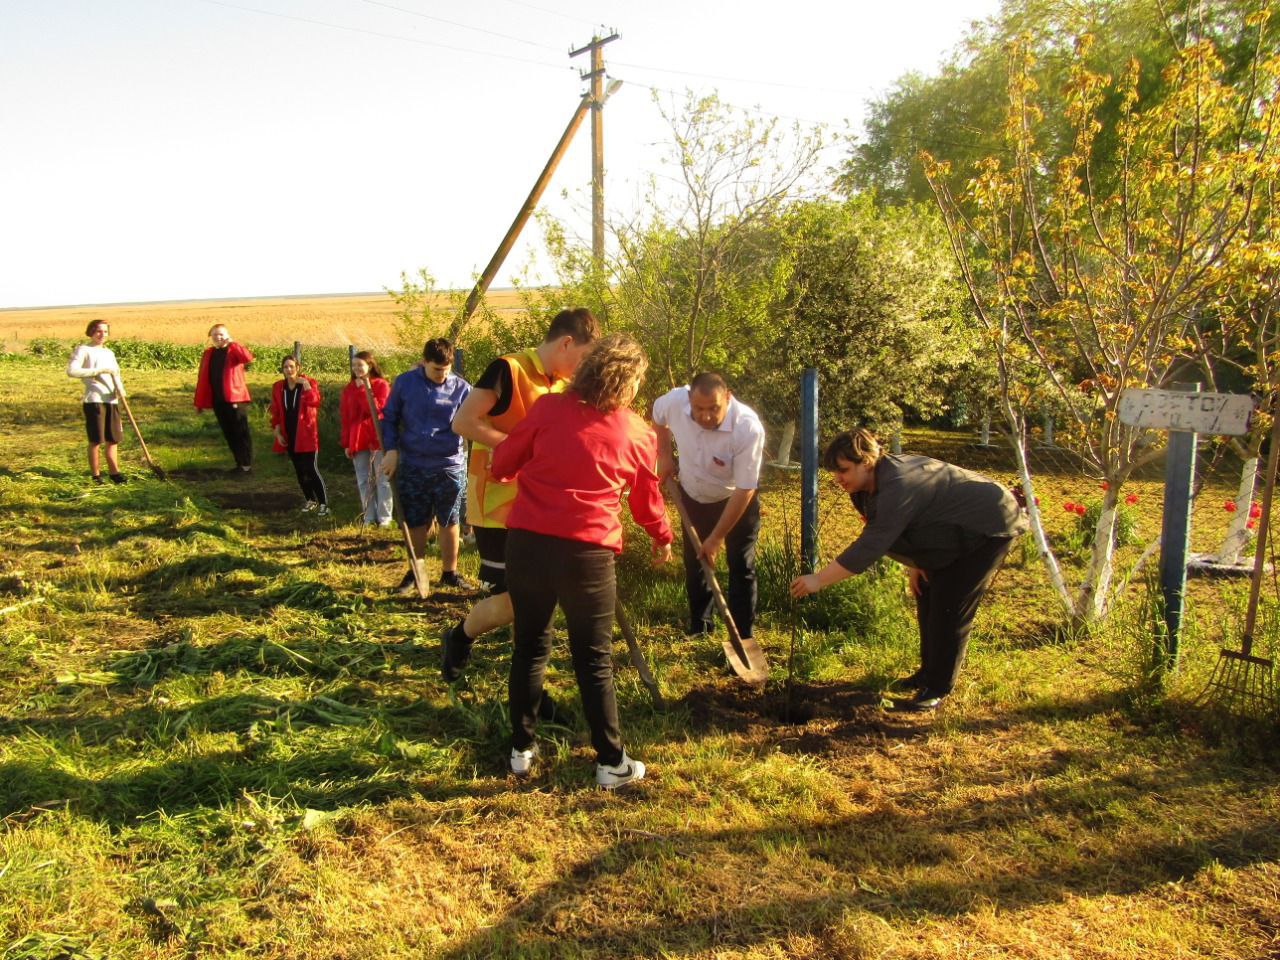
(597, 95)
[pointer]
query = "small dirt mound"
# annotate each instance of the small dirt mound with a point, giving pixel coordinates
(255, 501)
(356, 547)
(197, 473)
(828, 719)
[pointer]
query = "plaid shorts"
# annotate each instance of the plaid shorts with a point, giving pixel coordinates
(426, 493)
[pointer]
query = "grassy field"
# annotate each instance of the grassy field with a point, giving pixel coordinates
(219, 736)
(367, 319)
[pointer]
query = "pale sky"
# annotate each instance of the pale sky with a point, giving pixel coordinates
(182, 149)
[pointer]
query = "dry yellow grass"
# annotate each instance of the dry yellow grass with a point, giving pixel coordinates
(322, 320)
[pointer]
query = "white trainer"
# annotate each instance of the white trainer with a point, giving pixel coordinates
(322, 510)
(309, 506)
(627, 771)
(522, 760)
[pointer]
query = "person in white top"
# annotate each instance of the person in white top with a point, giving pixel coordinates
(720, 443)
(95, 365)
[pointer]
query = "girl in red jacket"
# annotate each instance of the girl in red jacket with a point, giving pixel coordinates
(294, 402)
(359, 436)
(220, 387)
(576, 453)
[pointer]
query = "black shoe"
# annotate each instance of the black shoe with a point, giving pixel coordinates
(924, 701)
(238, 471)
(455, 652)
(907, 684)
(451, 578)
(406, 587)
(698, 629)
(118, 478)
(98, 478)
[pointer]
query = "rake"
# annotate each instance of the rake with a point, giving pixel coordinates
(418, 567)
(146, 454)
(745, 657)
(1241, 682)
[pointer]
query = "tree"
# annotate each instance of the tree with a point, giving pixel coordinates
(1086, 285)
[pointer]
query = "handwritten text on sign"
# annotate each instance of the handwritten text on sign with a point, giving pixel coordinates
(1221, 413)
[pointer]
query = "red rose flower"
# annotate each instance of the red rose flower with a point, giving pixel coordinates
(1069, 507)
(1255, 511)
(1249, 525)
(1229, 506)
(1131, 499)
(1104, 485)
(1080, 509)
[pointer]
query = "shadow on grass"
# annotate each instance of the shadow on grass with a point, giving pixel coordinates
(900, 863)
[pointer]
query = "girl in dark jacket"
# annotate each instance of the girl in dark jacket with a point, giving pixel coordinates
(294, 402)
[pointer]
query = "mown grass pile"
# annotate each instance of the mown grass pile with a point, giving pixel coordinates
(220, 736)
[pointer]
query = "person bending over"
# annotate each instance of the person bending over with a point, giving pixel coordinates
(501, 398)
(950, 527)
(425, 456)
(294, 403)
(576, 454)
(220, 387)
(358, 434)
(95, 364)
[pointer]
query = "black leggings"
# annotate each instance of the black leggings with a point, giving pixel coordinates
(233, 418)
(309, 479)
(542, 571)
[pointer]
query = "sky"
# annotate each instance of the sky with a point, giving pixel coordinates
(186, 149)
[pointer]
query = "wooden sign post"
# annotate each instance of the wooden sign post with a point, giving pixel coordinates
(1184, 412)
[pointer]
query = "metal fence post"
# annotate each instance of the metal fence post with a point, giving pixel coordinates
(1175, 535)
(809, 469)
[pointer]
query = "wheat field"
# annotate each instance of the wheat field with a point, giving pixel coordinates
(322, 320)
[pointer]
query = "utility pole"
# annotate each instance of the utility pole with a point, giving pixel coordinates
(598, 96)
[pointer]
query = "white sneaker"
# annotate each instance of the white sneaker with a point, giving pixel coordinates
(322, 510)
(308, 506)
(627, 771)
(522, 760)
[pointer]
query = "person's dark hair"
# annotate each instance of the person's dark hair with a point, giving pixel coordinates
(856, 446)
(708, 382)
(438, 351)
(93, 325)
(606, 374)
(375, 372)
(287, 357)
(579, 323)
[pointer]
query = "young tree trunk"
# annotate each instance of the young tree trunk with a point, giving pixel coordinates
(1058, 582)
(786, 443)
(1091, 602)
(1237, 533)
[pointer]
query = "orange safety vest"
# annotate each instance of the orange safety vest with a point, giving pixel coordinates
(488, 500)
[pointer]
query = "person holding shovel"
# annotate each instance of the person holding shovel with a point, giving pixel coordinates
(295, 400)
(502, 397)
(950, 527)
(358, 436)
(425, 457)
(220, 387)
(720, 443)
(576, 454)
(95, 364)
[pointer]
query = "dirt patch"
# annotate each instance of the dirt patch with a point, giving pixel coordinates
(826, 719)
(256, 501)
(356, 547)
(197, 473)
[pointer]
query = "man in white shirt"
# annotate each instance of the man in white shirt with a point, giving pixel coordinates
(720, 442)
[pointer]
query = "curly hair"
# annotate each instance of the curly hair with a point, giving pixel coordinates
(856, 446)
(605, 376)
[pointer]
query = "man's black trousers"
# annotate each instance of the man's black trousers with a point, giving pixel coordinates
(740, 555)
(945, 608)
(543, 571)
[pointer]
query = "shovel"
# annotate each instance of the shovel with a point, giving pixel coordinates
(417, 567)
(745, 657)
(637, 655)
(146, 454)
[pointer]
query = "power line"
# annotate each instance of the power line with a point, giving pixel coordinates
(713, 76)
(463, 26)
(387, 36)
(554, 13)
(733, 106)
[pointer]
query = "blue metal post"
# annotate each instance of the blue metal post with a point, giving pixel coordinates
(809, 469)
(351, 355)
(1175, 535)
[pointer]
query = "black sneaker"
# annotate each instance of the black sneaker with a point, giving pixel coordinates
(118, 478)
(99, 479)
(907, 684)
(455, 652)
(451, 578)
(924, 701)
(406, 587)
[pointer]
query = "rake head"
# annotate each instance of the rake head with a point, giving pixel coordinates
(1242, 684)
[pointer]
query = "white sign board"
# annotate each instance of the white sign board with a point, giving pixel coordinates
(1221, 413)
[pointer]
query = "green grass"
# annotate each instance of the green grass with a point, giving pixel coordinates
(219, 736)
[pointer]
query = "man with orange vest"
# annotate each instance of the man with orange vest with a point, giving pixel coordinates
(498, 401)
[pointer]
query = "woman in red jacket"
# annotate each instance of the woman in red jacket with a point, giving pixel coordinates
(359, 436)
(220, 387)
(294, 402)
(576, 453)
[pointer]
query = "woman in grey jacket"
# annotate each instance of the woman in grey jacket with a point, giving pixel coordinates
(96, 365)
(951, 529)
